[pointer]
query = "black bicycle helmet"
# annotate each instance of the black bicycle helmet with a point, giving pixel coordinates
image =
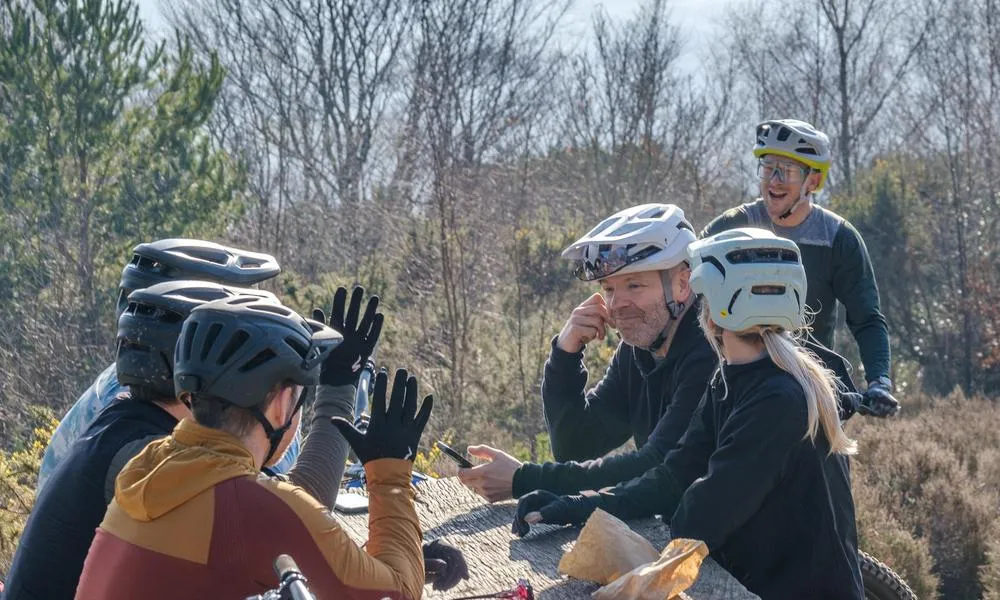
(149, 326)
(237, 349)
(179, 258)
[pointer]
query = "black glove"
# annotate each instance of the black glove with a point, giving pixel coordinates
(392, 433)
(343, 365)
(444, 565)
(555, 510)
(878, 400)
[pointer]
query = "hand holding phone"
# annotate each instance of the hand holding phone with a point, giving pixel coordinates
(460, 460)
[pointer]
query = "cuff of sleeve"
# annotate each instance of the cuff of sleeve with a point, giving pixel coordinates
(526, 479)
(559, 358)
(334, 401)
(389, 471)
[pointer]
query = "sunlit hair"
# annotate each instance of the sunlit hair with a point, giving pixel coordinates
(819, 383)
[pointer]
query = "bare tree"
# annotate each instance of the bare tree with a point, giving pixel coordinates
(831, 62)
(309, 84)
(478, 69)
(954, 122)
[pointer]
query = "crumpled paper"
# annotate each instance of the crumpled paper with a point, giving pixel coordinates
(674, 572)
(606, 549)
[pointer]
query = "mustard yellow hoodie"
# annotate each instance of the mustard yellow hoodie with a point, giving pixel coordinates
(193, 517)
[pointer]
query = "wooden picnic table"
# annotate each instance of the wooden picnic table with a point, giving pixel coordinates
(498, 559)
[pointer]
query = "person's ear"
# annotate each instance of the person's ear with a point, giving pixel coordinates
(279, 408)
(812, 181)
(681, 283)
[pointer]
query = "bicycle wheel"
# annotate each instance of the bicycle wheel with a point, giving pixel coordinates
(881, 582)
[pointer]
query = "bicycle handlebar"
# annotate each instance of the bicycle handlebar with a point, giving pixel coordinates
(291, 582)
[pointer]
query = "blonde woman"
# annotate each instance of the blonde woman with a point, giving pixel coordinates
(762, 475)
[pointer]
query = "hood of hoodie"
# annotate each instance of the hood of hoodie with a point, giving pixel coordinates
(172, 471)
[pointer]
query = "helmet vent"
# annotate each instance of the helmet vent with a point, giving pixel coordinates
(213, 333)
(732, 300)
(209, 254)
(272, 308)
(262, 357)
(768, 290)
(300, 348)
(191, 330)
(762, 255)
(171, 316)
(714, 262)
(807, 149)
(627, 228)
(783, 134)
(235, 343)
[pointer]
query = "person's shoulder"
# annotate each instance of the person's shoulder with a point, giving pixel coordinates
(738, 216)
(779, 394)
(844, 234)
(298, 501)
(838, 224)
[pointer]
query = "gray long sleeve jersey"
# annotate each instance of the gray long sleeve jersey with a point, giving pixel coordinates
(320, 466)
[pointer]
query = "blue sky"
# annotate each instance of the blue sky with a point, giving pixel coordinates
(695, 17)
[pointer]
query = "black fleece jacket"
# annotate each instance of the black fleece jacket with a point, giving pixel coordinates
(639, 397)
(774, 509)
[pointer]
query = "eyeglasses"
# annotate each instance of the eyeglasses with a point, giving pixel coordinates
(787, 172)
(523, 591)
(609, 260)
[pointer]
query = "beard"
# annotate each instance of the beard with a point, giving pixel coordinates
(639, 327)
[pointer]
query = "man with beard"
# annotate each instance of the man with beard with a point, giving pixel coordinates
(793, 162)
(657, 374)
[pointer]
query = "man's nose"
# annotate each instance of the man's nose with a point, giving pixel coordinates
(617, 301)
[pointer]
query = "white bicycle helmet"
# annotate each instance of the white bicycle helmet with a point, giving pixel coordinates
(649, 237)
(797, 140)
(750, 277)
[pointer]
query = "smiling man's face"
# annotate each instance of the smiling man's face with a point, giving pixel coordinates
(637, 305)
(781, 182)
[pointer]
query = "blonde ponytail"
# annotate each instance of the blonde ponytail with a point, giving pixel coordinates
(819, 384)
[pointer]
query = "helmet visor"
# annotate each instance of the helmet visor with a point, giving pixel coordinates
(609, 260)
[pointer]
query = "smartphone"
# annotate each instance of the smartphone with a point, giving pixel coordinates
(453, 455)
(350, 503)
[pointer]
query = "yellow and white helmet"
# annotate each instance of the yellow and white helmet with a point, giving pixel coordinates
(797, 140)
(750, 277)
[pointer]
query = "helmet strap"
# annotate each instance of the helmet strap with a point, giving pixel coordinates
(674, 308)
(273, 434)
(803, 195)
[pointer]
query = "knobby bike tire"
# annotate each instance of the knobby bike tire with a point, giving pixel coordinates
(881, 582)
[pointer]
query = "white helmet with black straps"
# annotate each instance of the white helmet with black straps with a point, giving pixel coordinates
(649, 237)
(750, 277)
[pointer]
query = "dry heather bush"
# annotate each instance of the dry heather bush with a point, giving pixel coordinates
(930, 480)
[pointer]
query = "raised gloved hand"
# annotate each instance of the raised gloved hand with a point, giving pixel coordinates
(444, 565)
(393, 432)
(343, 365)
(541, 506)
(877, 400)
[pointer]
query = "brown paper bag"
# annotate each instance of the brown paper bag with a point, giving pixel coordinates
(674, 572)
(606, 549)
